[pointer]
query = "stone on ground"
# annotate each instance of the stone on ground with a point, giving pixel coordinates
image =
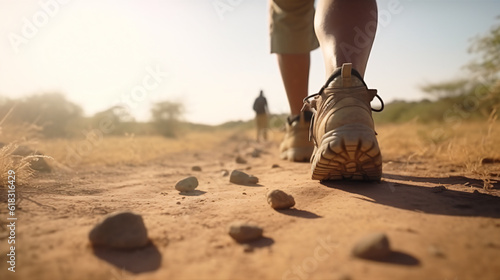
(240, 160)
(256, 153)
(374, 246)
(187, 184)
(196, 168)
(244, 232)
(241, 178)
(122, 230)
(279, 199)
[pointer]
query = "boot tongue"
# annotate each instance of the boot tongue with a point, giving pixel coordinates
(344, 77)
(345, 73)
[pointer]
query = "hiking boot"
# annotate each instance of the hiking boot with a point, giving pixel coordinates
(342, 129)
(296, 145)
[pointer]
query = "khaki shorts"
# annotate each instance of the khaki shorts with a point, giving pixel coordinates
(292, 26)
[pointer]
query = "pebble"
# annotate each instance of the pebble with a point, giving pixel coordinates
(256, 153)
(187, 184)
(490, 160)
(122, 230)
(224, 173)
(438, 189)
(342, 277)
(241, 160)
(241, 178)
(275, 165)
(491, 244)
(245, 232)
(279, 199)
(196, 168)
(248, 248)
(373, 246)
(435, 251)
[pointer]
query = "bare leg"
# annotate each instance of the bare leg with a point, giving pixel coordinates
(346, 144)
(295, 74)
(346, 30)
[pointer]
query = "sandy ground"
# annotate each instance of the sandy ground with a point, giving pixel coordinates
(451, 234)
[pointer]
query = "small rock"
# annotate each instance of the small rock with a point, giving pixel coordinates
(373, 246)
(187, 184)
(435, 251)
(275, 166)
(196, 168)
(438, 189)
(490, 160)
(491, 244)
(218, 246)
(241, 178)
(123, 230)
(245, 232)
(248, 248)
(178, 203)
(241, 160)
(279, 199)
(224, 173)
(342, 277)
(256, 153)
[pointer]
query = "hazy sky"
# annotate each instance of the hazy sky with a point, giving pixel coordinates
(214, 61)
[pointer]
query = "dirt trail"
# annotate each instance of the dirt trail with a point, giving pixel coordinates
(435, 233)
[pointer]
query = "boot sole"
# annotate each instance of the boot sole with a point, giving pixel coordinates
(349, 152)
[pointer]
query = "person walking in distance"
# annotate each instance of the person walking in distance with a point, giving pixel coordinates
(261, 111)
(333, 128)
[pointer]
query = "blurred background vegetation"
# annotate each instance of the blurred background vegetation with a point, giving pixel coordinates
(474, 97)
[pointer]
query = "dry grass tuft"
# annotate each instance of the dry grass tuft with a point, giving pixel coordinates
(460, 146)
(19, 164)
(14, 136)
